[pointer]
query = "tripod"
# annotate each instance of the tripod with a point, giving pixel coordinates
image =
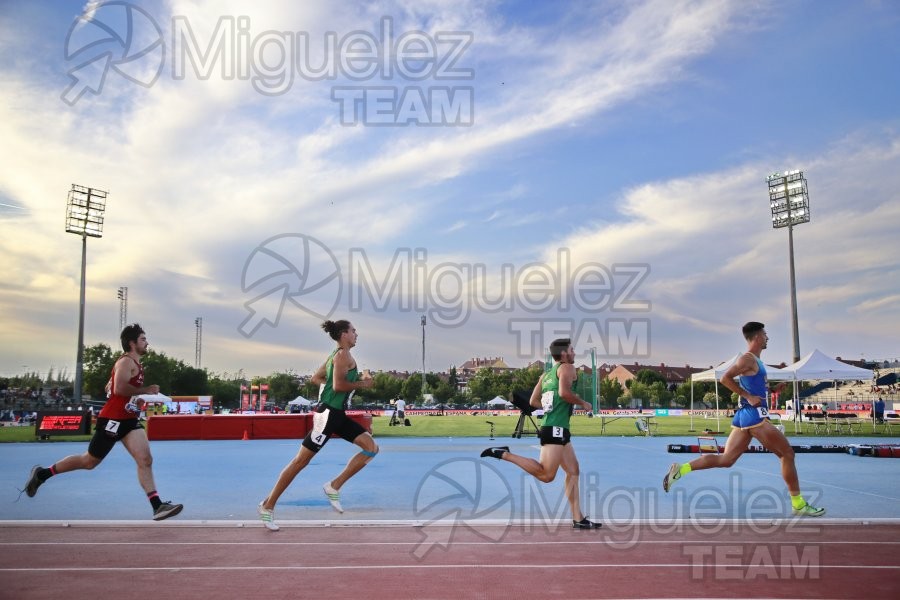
(522, 426)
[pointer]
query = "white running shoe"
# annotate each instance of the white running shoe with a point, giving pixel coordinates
(333, 496)
(267, 516)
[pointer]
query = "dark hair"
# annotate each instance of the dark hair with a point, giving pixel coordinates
(558, 346)
(131, 333)
(752, 328)
(335, 328)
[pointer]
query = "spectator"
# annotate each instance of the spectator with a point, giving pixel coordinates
(400, 407)
(879, 410)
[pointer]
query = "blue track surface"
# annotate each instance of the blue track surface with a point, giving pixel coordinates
(426, 479)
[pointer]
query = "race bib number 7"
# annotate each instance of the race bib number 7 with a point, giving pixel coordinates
(547, 401)
(112, 427)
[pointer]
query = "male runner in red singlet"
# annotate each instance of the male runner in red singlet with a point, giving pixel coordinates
(750, 422)
(118, 420)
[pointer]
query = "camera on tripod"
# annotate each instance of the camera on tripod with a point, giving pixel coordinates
(522, 401)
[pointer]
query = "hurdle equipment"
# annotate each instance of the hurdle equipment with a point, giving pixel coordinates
(875, 450)
(708, 445)
(756, 449)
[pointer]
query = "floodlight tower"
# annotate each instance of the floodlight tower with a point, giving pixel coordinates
(789, 201)
(122, 294)
(423, 358)
(84, 217)
(198, 341)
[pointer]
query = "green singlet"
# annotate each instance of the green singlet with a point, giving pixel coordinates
(327, 395)
(559, 413)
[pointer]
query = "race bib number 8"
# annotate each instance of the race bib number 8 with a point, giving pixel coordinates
(763, 411)
(547, 401)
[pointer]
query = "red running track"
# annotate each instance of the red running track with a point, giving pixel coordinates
(731, 560)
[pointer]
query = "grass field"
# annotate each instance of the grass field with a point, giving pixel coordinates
(477, 426)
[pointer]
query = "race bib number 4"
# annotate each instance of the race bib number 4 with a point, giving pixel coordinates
(547, 401)
(317, 435)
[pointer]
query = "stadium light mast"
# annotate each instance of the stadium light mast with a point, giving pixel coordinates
(122, 295)
(789, 201)
(198, 340)
(84, 217)
(423, 358)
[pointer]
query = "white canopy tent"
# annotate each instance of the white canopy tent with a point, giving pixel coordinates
(155, 398)
(299, 401)
(498, 401)
(716, 373)
(818, 366)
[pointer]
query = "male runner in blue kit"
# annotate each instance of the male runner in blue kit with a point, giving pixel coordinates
(750, 422)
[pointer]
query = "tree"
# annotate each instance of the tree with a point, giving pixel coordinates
(649, 377)
(187, 380)
(412, 388)
(225, 393)
(384, 388)
(526, 379)
(710, 399)
(158, 370)
(610, 391)
(283, 387)
(453, 378)
(481, 385)
(98, 364)
(639, 394)
(443, 392)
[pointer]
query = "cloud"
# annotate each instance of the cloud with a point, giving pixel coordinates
(201, 171)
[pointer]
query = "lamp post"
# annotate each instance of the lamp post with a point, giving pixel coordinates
(789, 201)
(122, 295)
(198, 340)
(423, 358)
(84, 217)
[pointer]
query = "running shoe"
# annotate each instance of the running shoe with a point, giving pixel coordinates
(267, 516)
(808, 510)
(585, 523)
(31, 487)
(333, 496)
(495, 452)
(166, 510)
(672, 476)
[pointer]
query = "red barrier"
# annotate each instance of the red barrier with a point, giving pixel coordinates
(223, 427)
(280, 427)
(174, 427)
(232, 427)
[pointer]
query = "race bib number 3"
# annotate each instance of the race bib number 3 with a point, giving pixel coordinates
(558, 432)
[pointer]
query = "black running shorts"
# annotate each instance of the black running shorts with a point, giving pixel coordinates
(558, 436)
(328, 421)
(109, 431)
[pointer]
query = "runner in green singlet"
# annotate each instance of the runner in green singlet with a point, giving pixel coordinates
(338, 378)
(555, 393)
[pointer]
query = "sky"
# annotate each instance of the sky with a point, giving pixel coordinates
(512, 171)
